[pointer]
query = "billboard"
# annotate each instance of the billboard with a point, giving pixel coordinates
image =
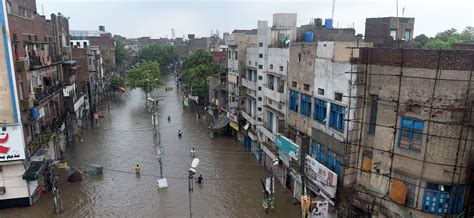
(12, 143)
(323, 177)
(287, 146)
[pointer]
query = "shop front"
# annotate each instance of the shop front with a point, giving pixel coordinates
(288, 154)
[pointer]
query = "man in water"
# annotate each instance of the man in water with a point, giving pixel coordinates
(137, 169)
(200, 179)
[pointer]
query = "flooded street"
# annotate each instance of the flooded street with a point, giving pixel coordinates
(232, 176)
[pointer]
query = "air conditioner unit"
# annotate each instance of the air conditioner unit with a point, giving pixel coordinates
(2, 190)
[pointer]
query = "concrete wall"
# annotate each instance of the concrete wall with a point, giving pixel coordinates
(441, 106)
(323, 34)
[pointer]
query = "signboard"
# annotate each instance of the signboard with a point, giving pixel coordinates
(78, 103)
(320, 209)
(12, 144)
(287, 146)
(232, 117)
(322, 176)
(234, 125)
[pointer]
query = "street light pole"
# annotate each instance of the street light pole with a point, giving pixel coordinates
(191, 173)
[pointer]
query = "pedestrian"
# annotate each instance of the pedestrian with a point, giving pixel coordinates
(200, 179)
(137, 169)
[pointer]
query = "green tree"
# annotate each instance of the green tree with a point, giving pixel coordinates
(166, 55)
(146, 77)
(422, 39)
(121, 54)
(445, 39)
(197, 69)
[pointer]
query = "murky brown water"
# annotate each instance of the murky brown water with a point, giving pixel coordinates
(231, 175)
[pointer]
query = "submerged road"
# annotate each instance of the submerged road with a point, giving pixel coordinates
(232, 176)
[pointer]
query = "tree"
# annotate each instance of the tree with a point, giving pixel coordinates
(421, 39)
(145, 77)
(197, 69)
(121, 54)
(166, 55)
(445, 39)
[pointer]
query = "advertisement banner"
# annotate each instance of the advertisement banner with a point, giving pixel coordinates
(12, 144)
(232, 117)
(287, 146)
(322, 176)
(320, 209)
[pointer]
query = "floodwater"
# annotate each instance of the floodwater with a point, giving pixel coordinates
(231, 187)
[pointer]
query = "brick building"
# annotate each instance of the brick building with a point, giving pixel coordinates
(415, 149)
(389, 31)
(44, 72)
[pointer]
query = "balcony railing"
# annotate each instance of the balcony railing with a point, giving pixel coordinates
(48, 91)
(35, 61)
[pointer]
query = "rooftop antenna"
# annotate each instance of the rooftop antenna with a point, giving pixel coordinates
(332, 12)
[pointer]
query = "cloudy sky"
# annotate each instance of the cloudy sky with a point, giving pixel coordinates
(155, 18)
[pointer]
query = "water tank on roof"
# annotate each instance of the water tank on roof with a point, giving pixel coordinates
(328, 23)
(309, 37)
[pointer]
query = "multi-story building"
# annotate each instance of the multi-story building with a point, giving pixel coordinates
(266, 73)
(415, 153)
(318, 105)
(237, 43)
(43, 65)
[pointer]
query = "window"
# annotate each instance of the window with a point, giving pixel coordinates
(320, 91)
(260, 55)
(320, 108)
(259, 119)
(317, 152)
(293, 84)
(410, 184)
(410, 135)
(260, 77)
(338, 96)
(260, 66)
(443, 199)
(294, 100)
(250, 63)
(407, 35)
(85, 44)
(306, 87)
(281, 68)
(271, 66)
(260, 44)
(259, 88)
(270, 121)
(270, 81)
(259, 109)
(236, 55)
(393, 34)
(259, 98)
(373, 114)
(78, 44)
(305, 105)
(299, 57)
(337, 116)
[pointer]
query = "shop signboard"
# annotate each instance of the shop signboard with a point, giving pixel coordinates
(287, 146)
(321, 176)
(320, 209)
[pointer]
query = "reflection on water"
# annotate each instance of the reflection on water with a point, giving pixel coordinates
(231, 185)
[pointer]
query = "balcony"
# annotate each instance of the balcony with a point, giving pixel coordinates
(274, 95)
(265, 129)
(42, 93)
(249, 118)
(249, 84)
(37, 62)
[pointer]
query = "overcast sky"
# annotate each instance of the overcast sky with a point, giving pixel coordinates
(155, 18)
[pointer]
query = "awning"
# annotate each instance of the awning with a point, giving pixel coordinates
(34, 171)
(221, 122)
